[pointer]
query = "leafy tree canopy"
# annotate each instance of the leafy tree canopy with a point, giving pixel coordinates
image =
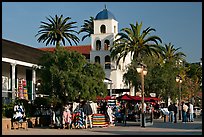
(67, 76)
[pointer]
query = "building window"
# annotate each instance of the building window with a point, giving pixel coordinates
(114, 29)
(107, 62)
(98, 45)
(97, 59)
(103, 29)
(106, 45)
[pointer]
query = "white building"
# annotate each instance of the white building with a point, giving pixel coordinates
(19, 62)
(105, 31)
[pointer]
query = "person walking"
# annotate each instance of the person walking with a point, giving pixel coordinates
(156, 110)
(124, 112)
(175, 113)
(185, 109)
(104, 107)
(88, 114)
(171, 112)
(191, 112)
(110, 116)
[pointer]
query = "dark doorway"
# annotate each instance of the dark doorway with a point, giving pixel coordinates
(29, 83)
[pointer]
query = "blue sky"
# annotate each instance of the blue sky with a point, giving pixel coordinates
(177, 22)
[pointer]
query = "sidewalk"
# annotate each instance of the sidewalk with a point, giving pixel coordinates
(158, 128)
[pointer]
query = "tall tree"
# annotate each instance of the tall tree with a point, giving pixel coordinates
(87, 27)
(193, 80)
(138, 44)
(172, 65)
(57, 30)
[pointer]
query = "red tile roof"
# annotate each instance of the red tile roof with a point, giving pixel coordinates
(83, 49)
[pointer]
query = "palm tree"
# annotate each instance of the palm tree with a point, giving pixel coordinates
(137, 43)
(134, 42)
(173, 65)
(170, 54)
(88, 27)
(57, 30)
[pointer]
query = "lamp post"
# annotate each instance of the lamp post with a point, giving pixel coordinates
(143, 71)
(179, 80)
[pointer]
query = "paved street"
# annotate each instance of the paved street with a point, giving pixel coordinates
(158, 128)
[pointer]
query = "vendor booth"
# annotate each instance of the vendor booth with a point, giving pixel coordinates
(101, 118)
(135, 105)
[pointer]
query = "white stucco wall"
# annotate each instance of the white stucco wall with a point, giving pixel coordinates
(102, 38)
(109, 23)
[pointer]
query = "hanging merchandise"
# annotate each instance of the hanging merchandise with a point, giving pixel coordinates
(25, 91)
(20, 89)
(24, 82)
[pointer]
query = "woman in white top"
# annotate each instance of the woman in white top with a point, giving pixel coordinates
(191, 112)
(109, 112)
(185, 109)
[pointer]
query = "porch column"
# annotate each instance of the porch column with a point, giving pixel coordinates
(111, 88)
(33, 82)
(13, 81)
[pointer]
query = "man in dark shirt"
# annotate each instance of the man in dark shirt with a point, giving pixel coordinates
(171, 112)
(175, 112)
(156, 111)
(88, 113)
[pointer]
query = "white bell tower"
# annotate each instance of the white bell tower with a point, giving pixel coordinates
(105, 30)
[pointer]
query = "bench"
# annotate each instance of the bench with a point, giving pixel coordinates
(19, 125)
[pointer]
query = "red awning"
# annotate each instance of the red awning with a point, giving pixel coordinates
(137, 98)
(106, 98)
(110, 98)
(126, 97)
(154, 99)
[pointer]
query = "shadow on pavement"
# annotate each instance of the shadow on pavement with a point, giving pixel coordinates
(148, 133)
(158, 123)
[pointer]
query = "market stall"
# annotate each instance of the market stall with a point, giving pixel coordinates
(134, 106)
(101, 119)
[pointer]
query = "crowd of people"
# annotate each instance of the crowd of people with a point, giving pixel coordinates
(80, 115)
(186, 112)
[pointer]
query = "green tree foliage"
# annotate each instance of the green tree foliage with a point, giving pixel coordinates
(194, 71)
(87, 27)
(170, 66)
(93, 76)
(67, 76)
(138, 43)
(171, 54)
(57, 30)
(192, 83)
(131, 77)
(160, 78)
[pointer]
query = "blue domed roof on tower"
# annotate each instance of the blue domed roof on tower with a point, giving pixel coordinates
(104, 14)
